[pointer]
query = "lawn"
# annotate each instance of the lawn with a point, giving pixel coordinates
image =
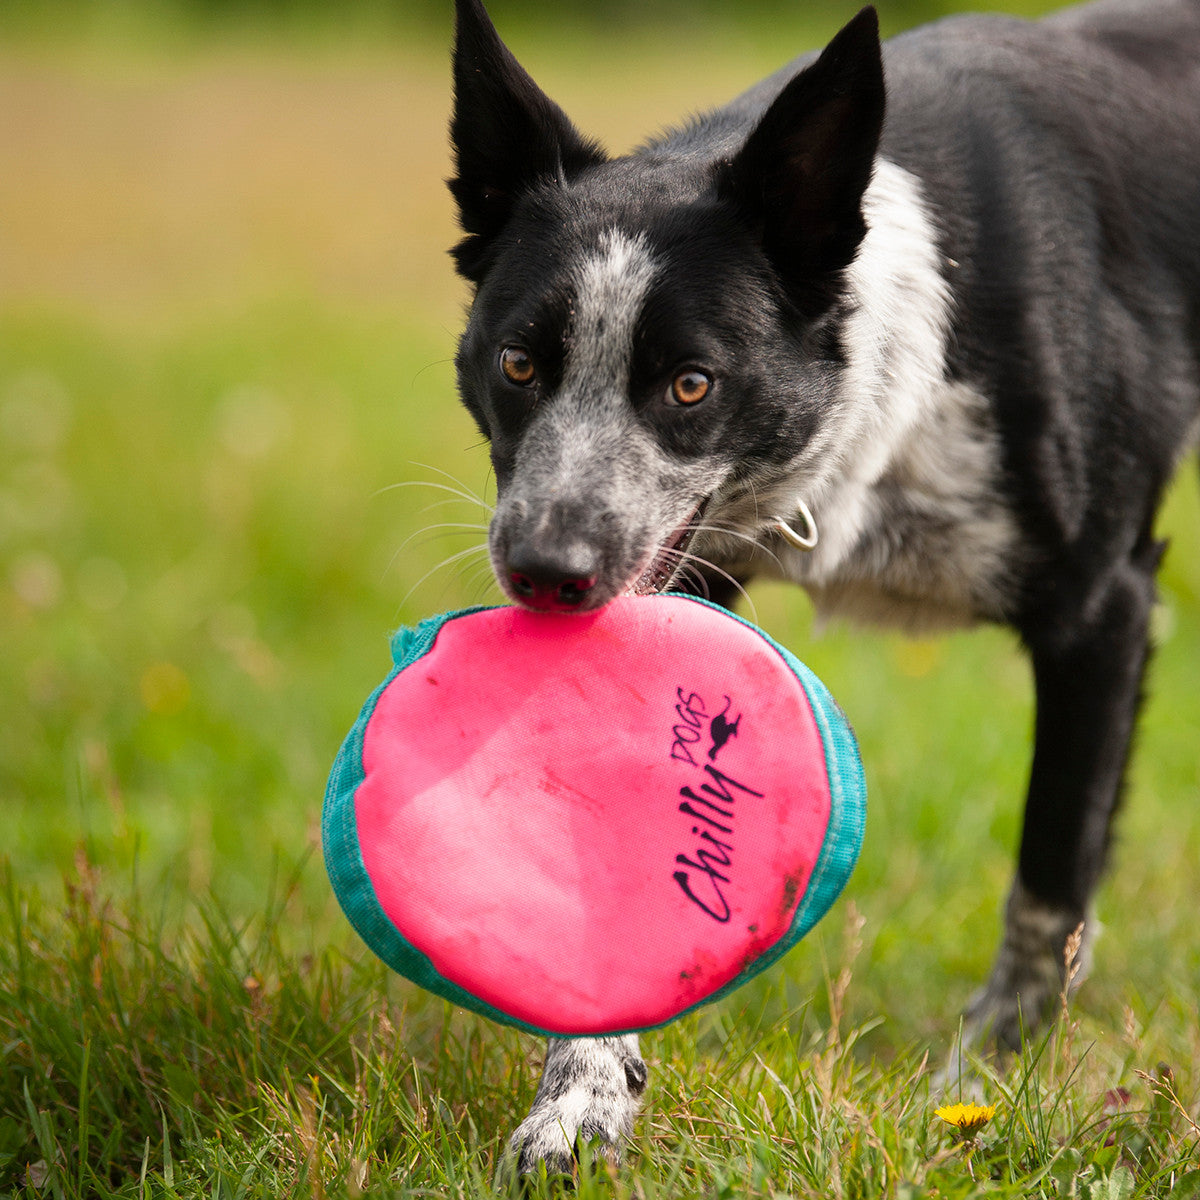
(227, 431)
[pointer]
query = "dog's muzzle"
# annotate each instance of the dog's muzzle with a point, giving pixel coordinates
(561, 562)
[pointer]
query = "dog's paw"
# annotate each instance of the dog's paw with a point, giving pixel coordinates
(547, 1137)
(1010, 1006)
(589, 1095)
(1045, 952)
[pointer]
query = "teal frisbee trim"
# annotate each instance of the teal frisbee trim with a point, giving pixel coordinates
(356, 894)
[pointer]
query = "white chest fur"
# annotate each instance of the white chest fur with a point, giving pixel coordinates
(903, 476)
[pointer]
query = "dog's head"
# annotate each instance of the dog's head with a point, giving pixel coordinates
(653, 338)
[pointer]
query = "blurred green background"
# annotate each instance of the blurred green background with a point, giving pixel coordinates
(227, 320)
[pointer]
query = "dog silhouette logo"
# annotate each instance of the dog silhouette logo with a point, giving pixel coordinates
(721, 730)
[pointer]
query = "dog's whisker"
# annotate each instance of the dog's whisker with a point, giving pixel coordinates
(443, 528)
(465, 497)
(480, 583)
(689, 574)
(738, 534)
(455, 487)
(436, 504)
(467, 490)
(696, 579)
(684, 557)
(445, 562)
(725, 530)
(448, 561)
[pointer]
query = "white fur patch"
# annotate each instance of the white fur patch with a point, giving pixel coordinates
(895, 341)
(610, 290)
(903, 476)
(582, 432)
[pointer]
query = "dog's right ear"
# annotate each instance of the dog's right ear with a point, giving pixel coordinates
(507, 136)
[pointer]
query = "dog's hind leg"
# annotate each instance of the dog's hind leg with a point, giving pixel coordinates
(590, 1090)
(1089, 659)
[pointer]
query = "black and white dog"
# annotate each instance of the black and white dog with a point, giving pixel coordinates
(916, 329)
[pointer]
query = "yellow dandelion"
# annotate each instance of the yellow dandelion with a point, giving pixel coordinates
(967, 1119)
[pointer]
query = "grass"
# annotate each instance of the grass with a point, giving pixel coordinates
(225, 336)
(194, 1054)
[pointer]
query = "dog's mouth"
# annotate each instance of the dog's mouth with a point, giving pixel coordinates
(670, 557)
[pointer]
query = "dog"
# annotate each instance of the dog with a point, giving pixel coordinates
(915, 327)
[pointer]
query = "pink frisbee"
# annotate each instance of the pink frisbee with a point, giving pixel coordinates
(591, 824)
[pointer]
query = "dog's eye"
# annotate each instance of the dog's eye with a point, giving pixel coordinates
(517, 366)
(690, 387)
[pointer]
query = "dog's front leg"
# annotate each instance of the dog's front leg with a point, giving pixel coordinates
(590, 1089)
(1088, 668)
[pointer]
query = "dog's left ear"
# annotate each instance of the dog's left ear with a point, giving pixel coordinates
(799, 179)
(507, 136)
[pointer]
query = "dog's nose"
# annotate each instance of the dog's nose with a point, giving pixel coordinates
(555, 596)
(554, 583)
